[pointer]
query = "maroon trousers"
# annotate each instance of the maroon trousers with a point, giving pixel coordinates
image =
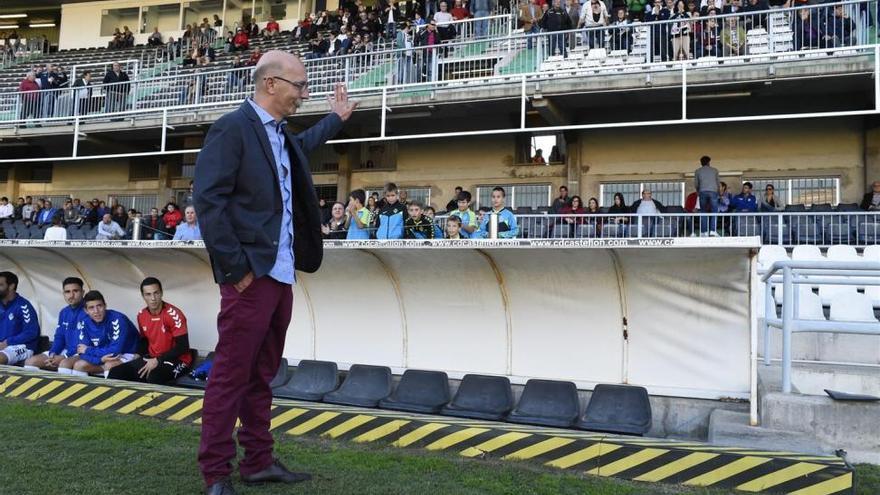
(252, 326)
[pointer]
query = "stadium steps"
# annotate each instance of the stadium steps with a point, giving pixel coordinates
(523, 62)
(633, 458)
(375, 77)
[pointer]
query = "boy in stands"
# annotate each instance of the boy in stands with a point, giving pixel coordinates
(19, 328)
(358, 221)
(417, 226)
(164, 352)
(66, 333)
(507, 228)
(466, 215)
(106, 339)
(392, 215)
(453, 228)
(431, 213)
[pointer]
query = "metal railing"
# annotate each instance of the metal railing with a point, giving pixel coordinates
(17, 50)
(423, 68)
(493, 26)
(796, 274)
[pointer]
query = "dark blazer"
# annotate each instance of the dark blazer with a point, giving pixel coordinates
(866, 200)
(238, 200)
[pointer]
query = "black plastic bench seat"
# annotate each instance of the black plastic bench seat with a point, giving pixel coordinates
(623, 409)
(364, 386)
(481, 397)
(311, 380)
(547, 403)
(419, 391)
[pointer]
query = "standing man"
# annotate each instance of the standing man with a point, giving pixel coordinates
(117, 92)
(163, 352)
(66, 333)
(555, 20)
(254, 192)
(19, 328)
(706, 183)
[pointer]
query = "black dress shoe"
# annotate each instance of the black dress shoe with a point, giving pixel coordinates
(276, 473)
(220, 488)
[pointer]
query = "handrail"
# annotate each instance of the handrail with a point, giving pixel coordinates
(856, 273)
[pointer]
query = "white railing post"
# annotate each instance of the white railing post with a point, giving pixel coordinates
(779, 228)
(787, 328)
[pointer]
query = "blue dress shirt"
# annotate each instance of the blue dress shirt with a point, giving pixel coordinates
(282, 271)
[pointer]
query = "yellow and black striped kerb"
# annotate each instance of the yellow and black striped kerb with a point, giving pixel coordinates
(640, 459)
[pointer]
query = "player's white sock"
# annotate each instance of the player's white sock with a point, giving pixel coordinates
(78, 373)
(106, 373)
(64, 371)
(31, 368)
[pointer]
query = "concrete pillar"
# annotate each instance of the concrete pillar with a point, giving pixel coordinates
(872, 161)
(572, 152)
(347, 155)
(165, 191)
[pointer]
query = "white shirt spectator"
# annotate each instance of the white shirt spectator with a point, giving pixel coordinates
(717, 4)
(647, 207)
(443, 18)
(185, 232)
(55, 233)
(7, 210)
(108, 230)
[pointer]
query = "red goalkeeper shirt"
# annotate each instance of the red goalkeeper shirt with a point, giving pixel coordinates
(161, 330)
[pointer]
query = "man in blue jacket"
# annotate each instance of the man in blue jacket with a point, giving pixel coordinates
(107, 338)
(66, 333)
(254, 196)
(745, 201)
(19, 328)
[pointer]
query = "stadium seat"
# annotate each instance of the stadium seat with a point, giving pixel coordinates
(311, 380)
(872, 253)
(745, 225)
(188, 381)
(868, 233)
(842, 252)
(809, 304)
(586, 230)
(807, 253)
(623, 409)
(364, 386)
(840, 229)
(419, 391)
(770, 254)
(44, 344)
(282, 376)
(547, 403)
(481, 397)
(852, 306)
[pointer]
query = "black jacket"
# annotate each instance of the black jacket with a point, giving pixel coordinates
(866, 201)
(634, 208)
(111, 77)
(239, 202)
(556, 20)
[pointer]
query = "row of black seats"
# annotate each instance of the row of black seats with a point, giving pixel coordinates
(620, 409)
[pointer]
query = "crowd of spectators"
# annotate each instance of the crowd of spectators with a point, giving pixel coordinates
(111, 222)
(37, 102)
(681, 29)
(121, 39)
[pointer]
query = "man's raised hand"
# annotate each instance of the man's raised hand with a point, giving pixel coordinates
(339, 102)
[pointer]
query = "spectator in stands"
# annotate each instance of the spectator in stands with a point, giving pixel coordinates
(187, 32)
(647, 205)
(871, 199)
(538, 159)
(127, 37)
(659, 30)
(530, 20)
(839, 28)
(163, 349)
(507, 227)
(48, 81)
(82, 94)
(417, 225)
(154, 229)
(745, 201)
(733, 38)
(443, 19)
(27, 209)
(109, 230)
(403, 197)
(19, 327)
(725, 198)
(66, 333)
(770, 202)
(431, 214)
(453, 203)
(561, 201)
(481, 9)
(217, 21)
(636, 9)
(430, 8)
(554, 20)
(710, 37)
(404, 42)
(569, 221)
(680, 32)
(467, 216)
(593, 209)
(116, 42)
(107, 338)
(453, 228)
(392, 215)
(706, 184)
(28, 90)
(155, 38)
(206, 51)
(755, 19)
(272, 28)
(72, 215)
(460, 12)
(46, 215)
(56, 232)
(621, 36)
(18, 210)
(390, 16)
(593, 17)
(428, 37)
(358, 221)
(188, 230)
(335, 226)
(118, 90)
(240, 41)
(6, 209)
(807, 32)
(171, 217)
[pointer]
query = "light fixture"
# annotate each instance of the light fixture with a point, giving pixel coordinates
(8, 26)
(42, 25)
(12, 16)
(713, 96)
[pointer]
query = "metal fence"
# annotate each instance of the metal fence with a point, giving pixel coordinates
(494, 60)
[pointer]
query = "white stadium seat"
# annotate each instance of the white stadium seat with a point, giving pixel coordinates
(853, 307)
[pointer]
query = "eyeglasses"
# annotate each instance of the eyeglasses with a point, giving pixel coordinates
(300, 85)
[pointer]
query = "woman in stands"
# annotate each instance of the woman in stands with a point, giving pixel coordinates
(621, 39)
(770, 202)
(680, 32)
(593, 209)
(710, 43)
(806, 31)
(171, 218)
(569, 220)
(619, 207)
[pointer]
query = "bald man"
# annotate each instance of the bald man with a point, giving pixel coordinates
(254, 195)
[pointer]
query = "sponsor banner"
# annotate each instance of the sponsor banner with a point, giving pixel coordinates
(675, 242)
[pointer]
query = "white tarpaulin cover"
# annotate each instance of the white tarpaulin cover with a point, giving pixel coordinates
(517, 308)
